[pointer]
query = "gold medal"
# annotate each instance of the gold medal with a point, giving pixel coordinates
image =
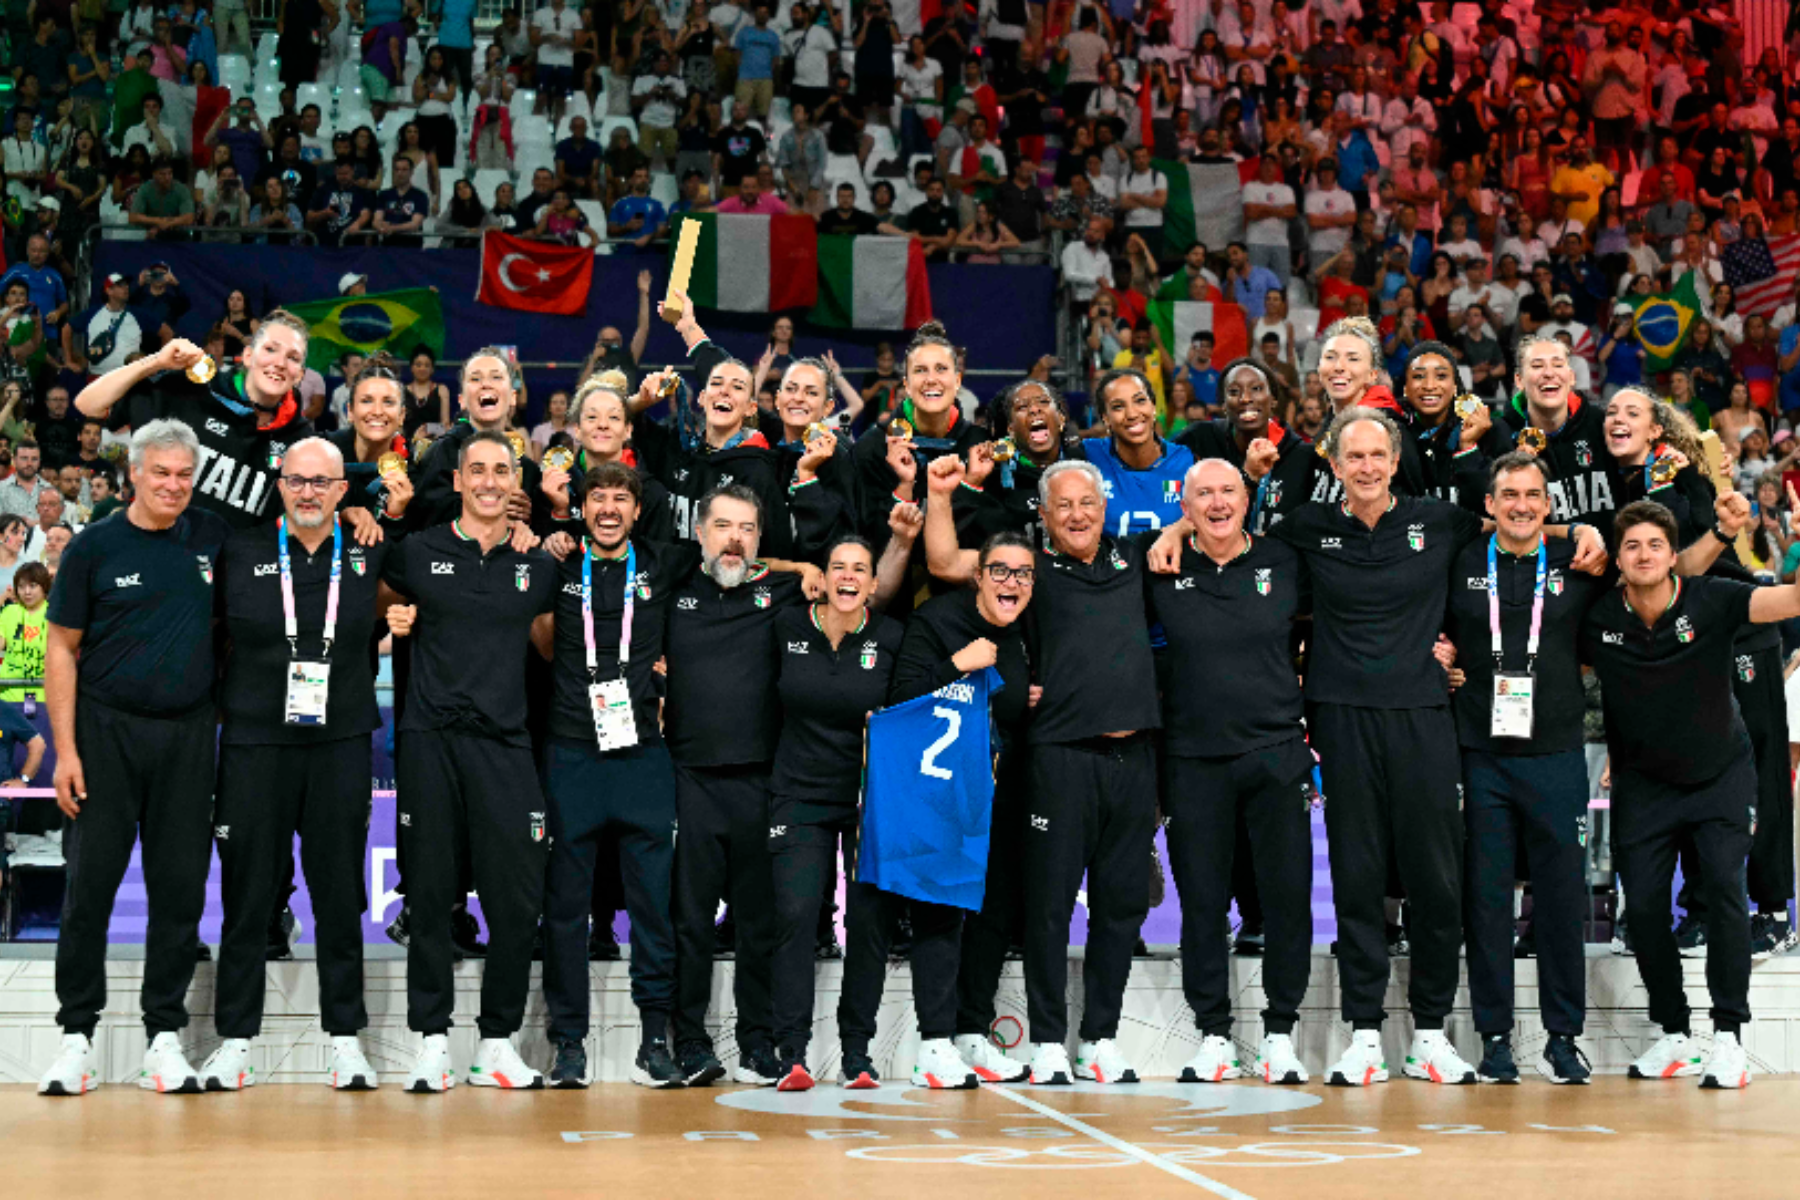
(900, 428)
(390, 462)
(1467, 406)
(669, 387)
(1663, 472)
(204, 370)
(516, 440)
(1533, 440)
(421, 443)
(1322, 448)
(1004, 450)
(559, 458)
(814, 432)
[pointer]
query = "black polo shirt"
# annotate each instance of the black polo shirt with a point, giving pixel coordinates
(1378, 599)
(239, 463)
(254, 693)
(1090, 644)
(472, 632)
(661, 569)
(143, 602)
(1556, 694)
(928, 220)
(826, 698)
(937, 632)
(1666, 688)
(722, 709)
(1229, 684)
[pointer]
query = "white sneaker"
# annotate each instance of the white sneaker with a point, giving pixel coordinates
(432, 1070)
(1362, 1064)
(497, 1064)
(940, 1066)
(1103, 1062)
(350, 1071)
(1727, 1066)
(1217, 1060)
(166, 1068)
(1276, 1061)
(1432, 1057)
(228, 1068)
(1673, 1056)
(73, 1073)
(988, 1061)
(1050, 1063)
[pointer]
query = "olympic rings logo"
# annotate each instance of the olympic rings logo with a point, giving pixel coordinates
(1086, 1155)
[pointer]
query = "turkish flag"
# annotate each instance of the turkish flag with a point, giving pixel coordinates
(534, 276)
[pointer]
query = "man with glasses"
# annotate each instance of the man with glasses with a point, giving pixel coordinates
(299, 703)
(128, 672)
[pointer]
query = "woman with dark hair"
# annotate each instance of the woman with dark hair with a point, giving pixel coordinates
(1278, 463)
(434, 91)
(238, 323)
(1456, 441)
(365, 152)
(427, 402)
(463, 217)
(373, 436)
(1002, 497)
(1706, 364)
(82, 179)
(1434, 290)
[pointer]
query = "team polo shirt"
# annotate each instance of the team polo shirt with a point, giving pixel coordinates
(142, 600)
(472, 631)
(660, 570)
(722, 709)
(254, 694)
(1090, 644)
(1230, 686)
(1378, 599)
(826, 697)
(1557, 702)
(1666, 688)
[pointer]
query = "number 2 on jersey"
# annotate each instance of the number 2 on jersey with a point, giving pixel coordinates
(928, 760)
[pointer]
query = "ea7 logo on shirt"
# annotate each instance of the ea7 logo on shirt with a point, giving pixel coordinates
(1040, 823)
(1746, 667)
(522, 577)
(1415, 536)
(126, 581)
(777, 831)
(1184, 584)
(1476, 583)
(443, 568)
(1263, 580)
(1613, 639)
(687, 604)
(1684, 630)
(222, 832)
(264, 569)
(1326, 543)
(217, 427)
(798, 648)
(571, 589)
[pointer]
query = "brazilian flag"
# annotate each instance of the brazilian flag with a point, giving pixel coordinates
(1662, 322)
(397, 322)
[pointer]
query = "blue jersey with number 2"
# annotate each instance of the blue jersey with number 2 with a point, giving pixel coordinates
(928, 795)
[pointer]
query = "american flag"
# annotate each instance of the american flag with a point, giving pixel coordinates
(1761, 272)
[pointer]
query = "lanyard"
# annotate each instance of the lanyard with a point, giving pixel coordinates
(290, 623)
(587, 607)
(1537, 605)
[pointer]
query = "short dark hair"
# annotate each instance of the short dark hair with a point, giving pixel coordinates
(729, 491)
(33, 572)
(851, 539)
(1514, 460)
(488, 437)
(24, 444)
(1113, 376)
(1646, 512)
(613, 476)
(1006, 538)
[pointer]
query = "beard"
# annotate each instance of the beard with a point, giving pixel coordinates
(726, 576)
(309, 520)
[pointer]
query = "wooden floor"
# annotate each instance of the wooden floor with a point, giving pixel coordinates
(1618, 1138)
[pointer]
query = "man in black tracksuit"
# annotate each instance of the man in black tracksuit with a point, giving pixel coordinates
(722, 724)
(1524, 768)
(1093, 766)
(1232, 757)
(1379, 717)
(294, 756)
(612, 805)
(133, 726)
(466, 779)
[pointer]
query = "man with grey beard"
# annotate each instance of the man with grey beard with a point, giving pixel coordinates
(722, 724)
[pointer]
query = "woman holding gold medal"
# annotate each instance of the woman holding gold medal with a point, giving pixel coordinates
(600, 417)
(374, 446)
(1454, 431)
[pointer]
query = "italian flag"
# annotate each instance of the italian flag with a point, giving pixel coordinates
(872, 282)
(1180, 320)
(749, 263)
(1206, 203)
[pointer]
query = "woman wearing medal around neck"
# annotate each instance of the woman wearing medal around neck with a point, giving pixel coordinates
(837, 657)
(600, 418)
(890, 470)
(1653, 454)
(1277, 463)
(813, 465)
(1001, 495)
(1454, 433)
(374, 446)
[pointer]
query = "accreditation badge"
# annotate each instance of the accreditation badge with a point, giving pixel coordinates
(1512, 706)
(308, 690)
(615, 725)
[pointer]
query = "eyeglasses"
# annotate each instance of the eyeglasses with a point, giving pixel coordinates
(317, 483)
(1000, 573)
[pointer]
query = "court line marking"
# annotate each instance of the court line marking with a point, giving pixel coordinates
(1121, 1145)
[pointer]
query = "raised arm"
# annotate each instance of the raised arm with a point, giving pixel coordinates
(943, 556)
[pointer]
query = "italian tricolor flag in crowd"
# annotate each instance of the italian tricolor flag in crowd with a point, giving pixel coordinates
(748, 263)
(1180, 320)
(1206, 203)
(872, 282)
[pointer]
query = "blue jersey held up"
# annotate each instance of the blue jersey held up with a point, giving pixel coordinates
(929, 795)
(1140, 500)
